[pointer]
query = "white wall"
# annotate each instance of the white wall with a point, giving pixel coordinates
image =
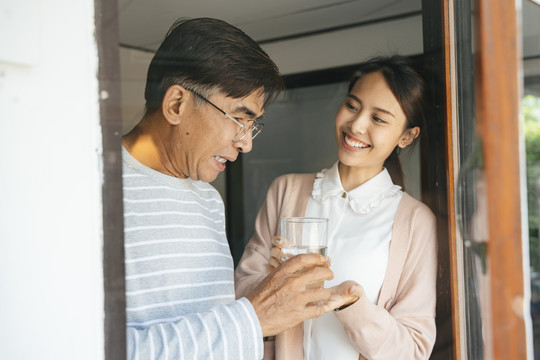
(51, 286)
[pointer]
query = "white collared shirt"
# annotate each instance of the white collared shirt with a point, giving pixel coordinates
(359, 235)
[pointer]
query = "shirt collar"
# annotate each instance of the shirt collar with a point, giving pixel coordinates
(363, 199)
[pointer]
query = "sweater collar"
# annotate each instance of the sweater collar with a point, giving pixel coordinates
(363, 199)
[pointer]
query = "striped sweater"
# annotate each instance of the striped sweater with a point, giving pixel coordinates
(180, 301)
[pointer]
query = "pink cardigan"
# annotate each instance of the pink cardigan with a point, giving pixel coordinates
(402, 323)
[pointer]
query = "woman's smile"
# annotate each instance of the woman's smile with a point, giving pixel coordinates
(354, 144)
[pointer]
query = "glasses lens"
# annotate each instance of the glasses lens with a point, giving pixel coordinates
(255, 129)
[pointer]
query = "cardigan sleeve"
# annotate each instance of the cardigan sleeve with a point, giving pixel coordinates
(253, 266)
(402, 327)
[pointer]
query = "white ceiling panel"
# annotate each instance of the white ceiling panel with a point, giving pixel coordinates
(320, 19)
(143, 23)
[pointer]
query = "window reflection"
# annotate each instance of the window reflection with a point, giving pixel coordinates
(531, 113)
(530, 108)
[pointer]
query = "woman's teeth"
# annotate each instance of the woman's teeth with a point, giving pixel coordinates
(220, 159)
(355, 144)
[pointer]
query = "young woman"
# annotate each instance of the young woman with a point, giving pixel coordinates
(379, 236)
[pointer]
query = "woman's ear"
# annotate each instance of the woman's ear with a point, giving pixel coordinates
(173, 104)
(408, 137)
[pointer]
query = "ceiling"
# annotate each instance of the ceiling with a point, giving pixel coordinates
(143, 23)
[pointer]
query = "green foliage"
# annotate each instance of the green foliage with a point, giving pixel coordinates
(530, 107)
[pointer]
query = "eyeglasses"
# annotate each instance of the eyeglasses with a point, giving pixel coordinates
(251, 126)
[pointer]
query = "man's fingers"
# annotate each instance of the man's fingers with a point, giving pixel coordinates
(300, 262)
(315, 274)
(315, 310)
(306, 274)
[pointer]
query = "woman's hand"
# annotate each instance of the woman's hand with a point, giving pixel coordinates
(277, 257)
(345, 294)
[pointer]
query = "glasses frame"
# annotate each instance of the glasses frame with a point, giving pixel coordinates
(255, 127)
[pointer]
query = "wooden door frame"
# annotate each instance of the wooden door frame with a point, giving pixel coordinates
(447, 21)
(438, 171)
(498, 94)
(106, 24)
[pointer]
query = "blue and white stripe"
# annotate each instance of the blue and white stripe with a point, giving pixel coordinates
(180, 301)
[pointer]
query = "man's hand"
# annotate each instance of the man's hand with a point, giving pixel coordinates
(291, 293)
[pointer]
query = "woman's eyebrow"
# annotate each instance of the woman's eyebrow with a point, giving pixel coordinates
(384, 111)
(352, 96)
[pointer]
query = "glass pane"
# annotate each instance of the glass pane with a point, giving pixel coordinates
(531, 112)
(470, 198)
(530, 108)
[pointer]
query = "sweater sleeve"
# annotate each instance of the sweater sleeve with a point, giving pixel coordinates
(402, 327)
(230, 331)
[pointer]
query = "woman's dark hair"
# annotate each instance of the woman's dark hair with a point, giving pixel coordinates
(410, 90)
(210, 56)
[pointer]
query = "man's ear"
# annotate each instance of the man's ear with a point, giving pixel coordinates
(173, 104)
(408, 137)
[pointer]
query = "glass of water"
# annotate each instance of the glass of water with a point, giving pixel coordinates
(304, 235)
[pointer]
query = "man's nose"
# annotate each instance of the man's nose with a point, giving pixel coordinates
(246, 144)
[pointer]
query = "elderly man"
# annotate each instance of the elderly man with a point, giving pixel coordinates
(207, 86)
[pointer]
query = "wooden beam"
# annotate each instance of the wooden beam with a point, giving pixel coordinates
(452, 241)
(106, 19)
(497, 110)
